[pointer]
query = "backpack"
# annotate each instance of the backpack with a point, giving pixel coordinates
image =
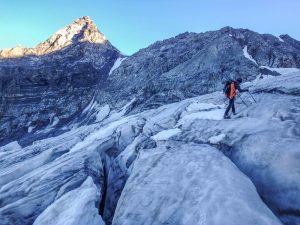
(226, 89)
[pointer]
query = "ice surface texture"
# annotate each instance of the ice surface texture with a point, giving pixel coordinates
(178, 164)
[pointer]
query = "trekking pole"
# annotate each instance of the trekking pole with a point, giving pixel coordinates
(242, 100)
(252, 96)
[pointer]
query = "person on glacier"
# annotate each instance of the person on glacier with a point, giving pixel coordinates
(230, 92)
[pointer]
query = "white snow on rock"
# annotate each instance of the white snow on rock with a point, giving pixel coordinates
(280, 39)
(203, 111)
(197, 106)
(51, 126)
(181, 184)
(282, 71)
(30, 129)
(75, 207)
(259, 77)
(117, 64)
(55, 121)
(216, 114)
(90, 106)
(217, 139)
(166, 134)
(10, 148)
(102, 113)
(94, 109)
(288, 84)
(247, 55)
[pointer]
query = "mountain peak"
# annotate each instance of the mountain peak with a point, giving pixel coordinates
(81, 30)
(85, 18)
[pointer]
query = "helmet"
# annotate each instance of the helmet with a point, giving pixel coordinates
(239, 80)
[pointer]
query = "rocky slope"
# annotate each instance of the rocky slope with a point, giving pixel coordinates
(191, 64)
(179, 164)
(77, 63)
(56, 80)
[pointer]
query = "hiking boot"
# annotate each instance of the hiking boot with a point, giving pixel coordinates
(226, 117)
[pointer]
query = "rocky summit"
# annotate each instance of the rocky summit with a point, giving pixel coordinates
(56, 80)
(90, 136)
(81, 30)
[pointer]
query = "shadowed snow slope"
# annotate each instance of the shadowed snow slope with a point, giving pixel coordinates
(180, 163)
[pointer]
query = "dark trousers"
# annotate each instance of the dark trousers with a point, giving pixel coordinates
(230, 105)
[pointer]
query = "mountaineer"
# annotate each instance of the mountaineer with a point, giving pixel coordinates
(230, 92)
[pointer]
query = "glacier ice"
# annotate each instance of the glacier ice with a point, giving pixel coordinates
(197, 168)
(75, 207)
(178, 183)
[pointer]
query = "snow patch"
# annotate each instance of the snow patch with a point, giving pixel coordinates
(103, 113)
(196, 106)
(280, 39)
(200, 110)
(30, 129)
(259, 77)
(247, 55)
(286, 83)
(51, 126)
(166, 134)
(216, 114)
(204, 115)
(116, 115)
(117, 64)
(282, 71)
(90, 106)
(217, 139)
(54, 121)
(12, 146)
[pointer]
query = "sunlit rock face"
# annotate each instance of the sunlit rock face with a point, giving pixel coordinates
(17, 51)
(81, 30)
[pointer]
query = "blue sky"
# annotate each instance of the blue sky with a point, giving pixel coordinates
(134, 24)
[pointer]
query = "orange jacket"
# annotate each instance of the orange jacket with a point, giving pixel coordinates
(232, 90)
